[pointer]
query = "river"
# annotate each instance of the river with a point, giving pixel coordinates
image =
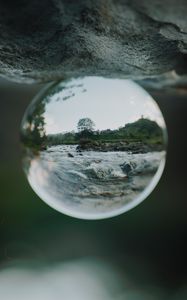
(91, 181)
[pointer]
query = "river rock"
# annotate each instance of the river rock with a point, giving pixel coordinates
(70, 155)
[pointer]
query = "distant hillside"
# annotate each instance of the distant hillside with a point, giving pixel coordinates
(142, 128)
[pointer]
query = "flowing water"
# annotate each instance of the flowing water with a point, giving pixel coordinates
(91, 181)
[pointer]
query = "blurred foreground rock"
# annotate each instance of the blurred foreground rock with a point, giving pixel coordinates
(52, 39)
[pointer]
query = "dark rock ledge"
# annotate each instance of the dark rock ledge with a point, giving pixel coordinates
(52, 39)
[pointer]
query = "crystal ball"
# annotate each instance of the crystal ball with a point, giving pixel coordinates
(93, 147)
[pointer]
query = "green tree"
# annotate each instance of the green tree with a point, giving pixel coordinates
(85, 124)
(33, 133)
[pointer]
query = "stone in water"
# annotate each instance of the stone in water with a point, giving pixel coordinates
(93, 147)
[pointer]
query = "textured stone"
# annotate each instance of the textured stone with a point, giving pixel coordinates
(52, 39)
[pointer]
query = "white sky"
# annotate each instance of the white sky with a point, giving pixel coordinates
(110, 103)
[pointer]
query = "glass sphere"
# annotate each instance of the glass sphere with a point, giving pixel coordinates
(93, 147)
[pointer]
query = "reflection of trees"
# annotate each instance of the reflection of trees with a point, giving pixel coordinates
(33, 133)
(143, 130)
(85, 124)
(85, 128)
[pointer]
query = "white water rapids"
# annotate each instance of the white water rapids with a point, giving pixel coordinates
(91, 182)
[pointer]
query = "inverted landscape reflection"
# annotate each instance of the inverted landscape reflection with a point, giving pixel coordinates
(93, 147)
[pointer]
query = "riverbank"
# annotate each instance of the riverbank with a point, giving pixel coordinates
(133, 147)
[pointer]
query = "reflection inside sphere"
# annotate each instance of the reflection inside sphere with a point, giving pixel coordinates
(93, 147)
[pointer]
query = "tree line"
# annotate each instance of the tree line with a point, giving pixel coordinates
(140, 130)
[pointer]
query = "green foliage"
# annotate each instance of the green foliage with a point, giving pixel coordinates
(33, 132)
(143, 130)
(85, 124)
(58, 139)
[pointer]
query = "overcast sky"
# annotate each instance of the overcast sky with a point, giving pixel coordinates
(110, 103)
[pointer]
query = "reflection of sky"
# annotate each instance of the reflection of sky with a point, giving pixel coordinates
(110, 103)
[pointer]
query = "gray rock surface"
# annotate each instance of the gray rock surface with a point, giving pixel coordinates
(52, 39)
